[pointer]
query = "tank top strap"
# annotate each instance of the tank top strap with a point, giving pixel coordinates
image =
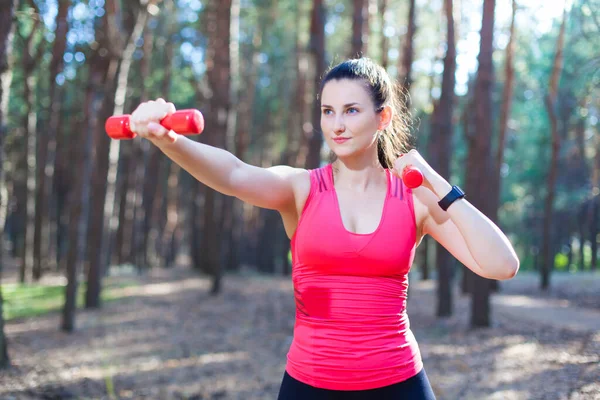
(319, 183)
(397, 187)
(402, 192)
(320, 179)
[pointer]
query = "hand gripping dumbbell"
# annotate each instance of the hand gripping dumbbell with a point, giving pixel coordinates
(183, 122)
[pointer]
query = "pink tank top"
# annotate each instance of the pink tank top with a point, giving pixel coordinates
(352, 331)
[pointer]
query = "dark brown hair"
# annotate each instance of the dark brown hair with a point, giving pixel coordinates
(396, 138)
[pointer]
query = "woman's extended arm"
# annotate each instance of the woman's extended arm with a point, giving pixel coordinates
(217, 168)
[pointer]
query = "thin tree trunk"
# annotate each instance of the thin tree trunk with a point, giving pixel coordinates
(551, 108)
(7, 9)
(441, 140)
(218, 74)
(594, 233)
(47, 147)
(169, 213)
(507, 97)
(30, 60)
(317, 49)
(469, 130)
(385, 41)
(79, 203)
(228, 216)
(301, 119)
(596, 188)
(424, 258)
(105, 65)
(583, 219)
(405, 65)
(360, 22)
(152, 182)
(480, 153)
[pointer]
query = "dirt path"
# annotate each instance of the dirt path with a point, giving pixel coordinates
(170, 340)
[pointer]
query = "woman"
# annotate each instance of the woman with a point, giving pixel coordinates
(354, 227)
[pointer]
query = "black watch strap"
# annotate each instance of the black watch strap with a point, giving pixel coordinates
(455, 194)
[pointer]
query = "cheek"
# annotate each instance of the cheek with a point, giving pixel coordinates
(365, 125)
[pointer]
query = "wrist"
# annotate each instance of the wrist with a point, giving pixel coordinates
(440, 186)
(165, 144)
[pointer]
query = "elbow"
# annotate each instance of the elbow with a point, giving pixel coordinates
(510, 269)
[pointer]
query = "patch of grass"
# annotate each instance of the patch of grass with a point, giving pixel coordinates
(29, 300)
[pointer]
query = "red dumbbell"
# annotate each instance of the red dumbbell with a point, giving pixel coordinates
(183, 122)
(412, 177)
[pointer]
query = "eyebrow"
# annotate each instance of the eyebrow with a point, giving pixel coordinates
(345, 105)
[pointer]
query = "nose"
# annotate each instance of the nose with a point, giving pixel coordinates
(339, 127)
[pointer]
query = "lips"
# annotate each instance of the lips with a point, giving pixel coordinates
(341, 140)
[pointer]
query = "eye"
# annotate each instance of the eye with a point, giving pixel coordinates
(352, 110)
(327, 111)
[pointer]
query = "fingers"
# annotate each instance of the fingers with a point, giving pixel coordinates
(145, 120)
(160, 133)
(402, 163)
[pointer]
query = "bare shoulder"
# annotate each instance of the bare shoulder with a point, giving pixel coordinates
(299, 179)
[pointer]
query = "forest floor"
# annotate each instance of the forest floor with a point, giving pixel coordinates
(168, 339)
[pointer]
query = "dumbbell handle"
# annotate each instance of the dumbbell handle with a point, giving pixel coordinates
(183, 122)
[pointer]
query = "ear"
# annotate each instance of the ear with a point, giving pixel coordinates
(385, 117)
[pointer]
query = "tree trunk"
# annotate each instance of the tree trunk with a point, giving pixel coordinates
(594, 233)
(468, 123)
(218, 74)
(170, 210)
(406, 61)
(551, 107)
(507, 97)
(301, 119)
(152, 177)
(385, 41)
(30, 60)
(7, 9)
(441, 143)
(360, 28)
(79, 203)
(424, 258)
(583, 219)
(106, 162)
(480, 154)
(317, 49)
(47, 146)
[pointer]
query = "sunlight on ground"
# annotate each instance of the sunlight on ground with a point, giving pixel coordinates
(156, 364)
(524, 301)
(155, 289)
(31, 325)
(509, 394)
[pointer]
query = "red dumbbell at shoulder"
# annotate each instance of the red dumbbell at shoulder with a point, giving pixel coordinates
(412, 176)
(183, 122)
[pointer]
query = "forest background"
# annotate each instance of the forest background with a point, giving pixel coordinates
(504, 96)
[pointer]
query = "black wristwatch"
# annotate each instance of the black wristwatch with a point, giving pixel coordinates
(455, 194)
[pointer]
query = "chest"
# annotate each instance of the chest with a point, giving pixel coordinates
(360, 213)
(323, 245)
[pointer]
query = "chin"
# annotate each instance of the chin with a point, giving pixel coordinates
(344, 153)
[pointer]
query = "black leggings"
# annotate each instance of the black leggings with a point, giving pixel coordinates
(415, 388)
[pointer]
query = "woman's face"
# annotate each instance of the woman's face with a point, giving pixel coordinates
(348, 119)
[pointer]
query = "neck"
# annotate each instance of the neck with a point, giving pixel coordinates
(358, 176)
